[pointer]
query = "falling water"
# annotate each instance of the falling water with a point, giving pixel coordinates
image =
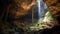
(40, 5)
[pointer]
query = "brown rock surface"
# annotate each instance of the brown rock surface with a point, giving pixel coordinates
(54, 6)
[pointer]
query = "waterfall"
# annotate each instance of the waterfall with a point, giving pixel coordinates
(40, 5)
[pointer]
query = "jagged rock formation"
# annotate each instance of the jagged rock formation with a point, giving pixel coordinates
(12, 14)
(54, 6)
